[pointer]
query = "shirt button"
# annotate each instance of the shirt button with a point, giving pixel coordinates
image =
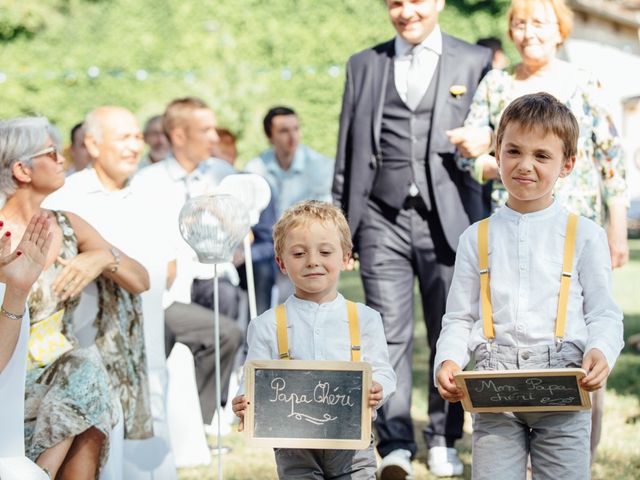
(523, 267)
(414, 139)
(317, 331)
(525, 355)
(520, 328)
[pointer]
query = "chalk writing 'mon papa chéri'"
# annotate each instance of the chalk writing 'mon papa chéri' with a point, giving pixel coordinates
(533, 385)
(322, 394)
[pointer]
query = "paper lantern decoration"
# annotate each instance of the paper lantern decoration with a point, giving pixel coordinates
(214, 225)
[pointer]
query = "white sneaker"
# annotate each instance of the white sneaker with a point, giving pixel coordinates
(396, 466)
(444, 462)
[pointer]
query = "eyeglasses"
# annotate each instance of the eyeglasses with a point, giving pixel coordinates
(51, 152)
(534, 25)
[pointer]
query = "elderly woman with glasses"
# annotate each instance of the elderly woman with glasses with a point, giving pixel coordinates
(70, 403)
(597, 187)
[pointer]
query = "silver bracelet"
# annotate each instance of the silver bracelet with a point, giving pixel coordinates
(116, 259)
(10, 315)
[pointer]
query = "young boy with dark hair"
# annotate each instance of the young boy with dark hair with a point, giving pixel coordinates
(533, 308)
(312, 242)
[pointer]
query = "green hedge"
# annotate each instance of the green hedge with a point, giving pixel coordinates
(63, 57)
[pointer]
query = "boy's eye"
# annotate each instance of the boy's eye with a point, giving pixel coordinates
(298, 254)
(326, 252)
(512, 151)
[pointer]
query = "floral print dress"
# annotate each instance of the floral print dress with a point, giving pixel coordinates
(598, 178)
(73, 393)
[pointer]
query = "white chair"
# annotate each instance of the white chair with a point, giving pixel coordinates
(188, 440)
(20, 468)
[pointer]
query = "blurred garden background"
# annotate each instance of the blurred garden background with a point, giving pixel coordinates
(61, 58)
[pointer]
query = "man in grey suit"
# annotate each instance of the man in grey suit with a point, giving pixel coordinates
(407, 203)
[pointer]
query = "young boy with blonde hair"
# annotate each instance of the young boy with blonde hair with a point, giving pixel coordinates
(312, 243)
(516, 320)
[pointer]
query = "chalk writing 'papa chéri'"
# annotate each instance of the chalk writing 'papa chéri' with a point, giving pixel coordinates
(322, 394)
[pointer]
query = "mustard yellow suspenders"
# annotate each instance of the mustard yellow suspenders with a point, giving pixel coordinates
(281, 330)
(485, 292)
(565, 280)
(354, 331)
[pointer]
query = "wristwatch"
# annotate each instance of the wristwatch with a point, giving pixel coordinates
(116, 258)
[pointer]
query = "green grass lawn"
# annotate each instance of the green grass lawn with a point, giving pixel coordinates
(619, 452)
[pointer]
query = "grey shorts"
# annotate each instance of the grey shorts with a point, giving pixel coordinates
(320, 464)
(557, 442)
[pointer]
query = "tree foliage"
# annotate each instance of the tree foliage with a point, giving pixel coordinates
(61, 58)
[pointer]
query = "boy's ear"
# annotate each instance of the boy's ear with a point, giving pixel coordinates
(567, 166)
(345, 260)
(281, 265)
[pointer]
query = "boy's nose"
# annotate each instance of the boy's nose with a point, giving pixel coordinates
(312, 259)
(526, 165)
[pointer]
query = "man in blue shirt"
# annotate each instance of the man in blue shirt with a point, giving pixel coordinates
(295, 172)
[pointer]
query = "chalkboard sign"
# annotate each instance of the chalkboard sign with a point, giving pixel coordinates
(546, 390)
(308, 404)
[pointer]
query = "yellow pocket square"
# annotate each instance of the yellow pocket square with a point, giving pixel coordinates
(46, 341)
(457, 90)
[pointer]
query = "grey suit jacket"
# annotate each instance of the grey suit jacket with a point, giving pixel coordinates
(457, 196)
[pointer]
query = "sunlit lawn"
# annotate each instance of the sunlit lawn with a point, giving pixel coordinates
(619, 453)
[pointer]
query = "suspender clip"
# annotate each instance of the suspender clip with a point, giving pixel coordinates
(484, 271)
(355, 347)
(566, 274)
(284, 356)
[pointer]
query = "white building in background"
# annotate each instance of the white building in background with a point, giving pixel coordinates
(606, 41)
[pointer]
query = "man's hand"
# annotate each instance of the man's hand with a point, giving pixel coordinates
(595, 363)
(446, 385)
(352, 264)
(239, 405)
(471, 141)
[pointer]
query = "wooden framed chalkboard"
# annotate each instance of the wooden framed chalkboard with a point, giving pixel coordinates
(547, 390)
(308, 404)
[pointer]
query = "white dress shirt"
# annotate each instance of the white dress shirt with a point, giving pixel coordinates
(169, 183)
(525, 266)
(320, 331)
(428, 54)
(127, 219)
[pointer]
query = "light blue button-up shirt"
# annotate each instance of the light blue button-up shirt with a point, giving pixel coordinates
(525, 265)
(308, 178)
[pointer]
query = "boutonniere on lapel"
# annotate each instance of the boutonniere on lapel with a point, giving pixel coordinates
(457, 90)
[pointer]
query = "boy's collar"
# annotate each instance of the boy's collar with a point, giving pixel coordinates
(537, 215)
(309, 305)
